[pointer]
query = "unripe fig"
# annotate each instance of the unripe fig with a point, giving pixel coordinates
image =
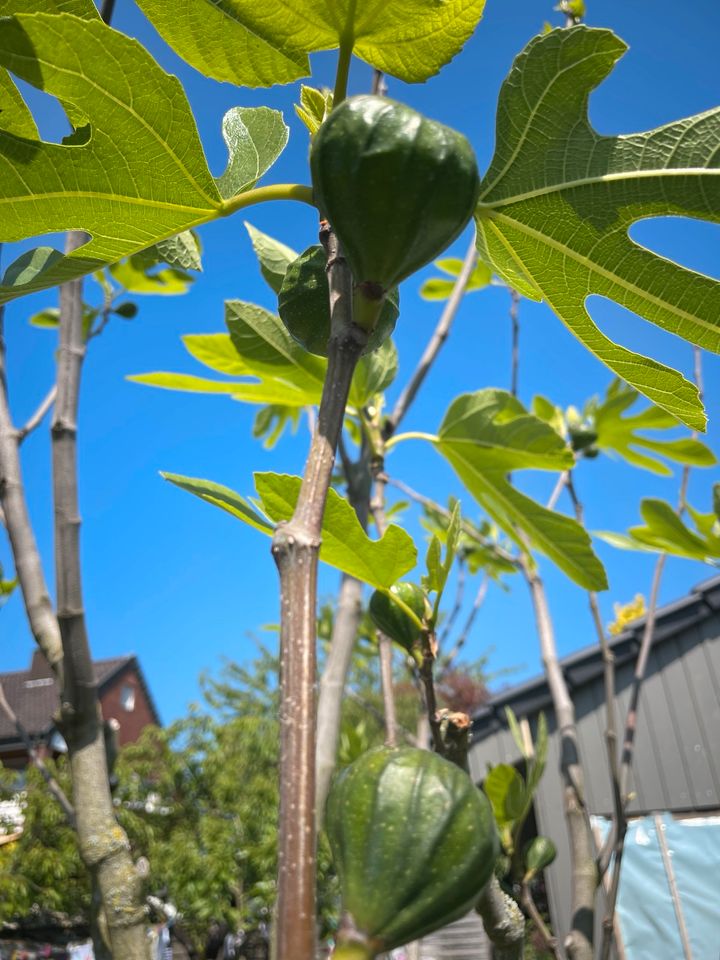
(396, 187)
(391, 620)
(414, 842)
(304, 305)
(538, 854)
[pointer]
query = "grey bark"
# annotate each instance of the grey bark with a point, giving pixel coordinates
(28, 567)
(104, 847)
(332, 685)
(579, 941)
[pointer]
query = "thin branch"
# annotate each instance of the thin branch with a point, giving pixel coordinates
(444, 512)
(26, 555)
(107, 9)
(37, 418)
(579, 942)
(435, 344)
(631, 717)
(549, 941)
(53, 786)
(562, 482)
(427, 676)
(295, 549)
(467, 627)
(609, 682)
(348, 615)
(515, 356)
(380, 717)
(379, 86)
(377, 507)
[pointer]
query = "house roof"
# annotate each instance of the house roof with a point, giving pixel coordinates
(33, 694)
(584, 666)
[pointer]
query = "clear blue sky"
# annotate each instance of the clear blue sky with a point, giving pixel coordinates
(183, 585)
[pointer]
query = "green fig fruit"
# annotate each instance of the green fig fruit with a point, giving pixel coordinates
(538, 854)
(396, 187)
(392, 620)
(414, 842)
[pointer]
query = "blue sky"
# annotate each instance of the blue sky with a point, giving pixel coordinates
(183, 585)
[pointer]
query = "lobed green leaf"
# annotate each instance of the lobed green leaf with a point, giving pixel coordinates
(257, 45)
(558, 199)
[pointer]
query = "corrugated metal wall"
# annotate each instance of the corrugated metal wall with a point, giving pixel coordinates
(677, 759)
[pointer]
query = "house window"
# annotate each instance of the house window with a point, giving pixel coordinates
(127, 698)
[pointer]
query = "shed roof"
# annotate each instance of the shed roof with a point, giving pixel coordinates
(586, 665)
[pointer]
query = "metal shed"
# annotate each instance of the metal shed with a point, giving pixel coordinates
(677, 759)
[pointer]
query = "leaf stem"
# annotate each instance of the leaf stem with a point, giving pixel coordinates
(274, 191)
(410, 435)
(347, 42)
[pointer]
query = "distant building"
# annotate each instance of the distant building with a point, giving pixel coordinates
(33, 695)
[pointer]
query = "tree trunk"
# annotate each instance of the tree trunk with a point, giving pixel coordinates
(104, 847)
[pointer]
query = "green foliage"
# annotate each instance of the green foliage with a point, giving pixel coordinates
(140, 178)
(664, 531)
(304, 305)
(274, 257)
(6, 587)
(345, 545)
(43, 866)
(256, 46)
(485, 435)
(413, 840)
(558, 199)
(314, 107)
(275, 369)
(438, 288)
(612, 432)
(510, 793)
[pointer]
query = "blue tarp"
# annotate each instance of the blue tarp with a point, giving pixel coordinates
(648, 919)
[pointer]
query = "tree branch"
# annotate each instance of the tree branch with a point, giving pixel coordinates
(435, 344)
(377, 506)
(295, 549)
(13, 503)
(579, 942)
(503, 921)
(37, 418)
(348, 615)
(515, 350)
(609, 683)
(53, 786)
(103, 845)
(631, 718)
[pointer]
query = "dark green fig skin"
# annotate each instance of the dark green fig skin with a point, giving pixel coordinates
(394, 622)
(397, 187)
(414, 842)
(304, 305)
(539, 853)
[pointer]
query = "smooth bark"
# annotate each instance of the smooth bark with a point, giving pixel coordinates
(332, 685)
(104, 847)
(295, 548)
(579, 941)
(26, 556)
